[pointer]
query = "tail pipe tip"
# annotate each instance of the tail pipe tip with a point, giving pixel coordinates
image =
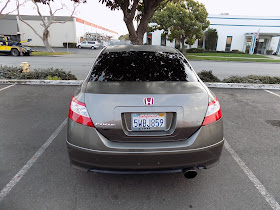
(189, 173)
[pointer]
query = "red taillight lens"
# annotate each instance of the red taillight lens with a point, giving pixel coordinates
(213, 113)
(78, 113)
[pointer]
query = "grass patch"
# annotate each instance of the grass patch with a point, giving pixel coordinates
(192, 57)
(49, 53)
(7, 72)
(227, 55)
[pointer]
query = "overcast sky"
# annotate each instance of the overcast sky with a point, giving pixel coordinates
(97, 13)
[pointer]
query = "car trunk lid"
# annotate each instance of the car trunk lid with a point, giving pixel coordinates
(111, 105)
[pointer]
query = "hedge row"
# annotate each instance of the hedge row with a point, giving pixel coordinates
(7, 72)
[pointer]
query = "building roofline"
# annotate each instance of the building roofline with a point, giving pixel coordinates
(79, 20)
(240, 17)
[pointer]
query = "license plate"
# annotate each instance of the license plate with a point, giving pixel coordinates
(148, 121)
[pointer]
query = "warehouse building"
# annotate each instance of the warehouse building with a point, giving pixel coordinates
(72, 31)
(235, 33)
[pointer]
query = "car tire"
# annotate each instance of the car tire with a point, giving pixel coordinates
(15, 52)
(93, 48)
(27, 54)
(79, 46)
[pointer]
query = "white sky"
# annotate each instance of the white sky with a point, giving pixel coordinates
(99, 14)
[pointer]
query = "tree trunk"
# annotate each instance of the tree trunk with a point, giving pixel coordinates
(183, 46)
(131, 30)
(149, 9)
(46, 35)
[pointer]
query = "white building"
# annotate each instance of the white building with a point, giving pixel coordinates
(71, 31)
(235, 33)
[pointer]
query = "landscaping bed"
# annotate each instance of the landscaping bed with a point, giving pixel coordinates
(208, 76)
(7, 72)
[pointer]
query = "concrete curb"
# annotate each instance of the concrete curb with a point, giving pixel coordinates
(41, 82)
(244, 86)
(78, 82)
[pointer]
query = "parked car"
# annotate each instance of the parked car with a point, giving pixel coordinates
(143, 109)
(88, 44)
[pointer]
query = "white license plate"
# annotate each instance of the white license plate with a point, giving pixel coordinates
(148, 121)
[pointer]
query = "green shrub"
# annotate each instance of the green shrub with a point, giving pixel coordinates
(195, 50)
(53, 78)
(70, 44)
(207, 76)
(235, 51)
(211, 38)
(7, 72)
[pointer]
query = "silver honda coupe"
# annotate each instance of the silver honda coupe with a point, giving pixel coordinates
(143, 109)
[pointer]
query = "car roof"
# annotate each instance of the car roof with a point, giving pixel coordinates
(149, 48)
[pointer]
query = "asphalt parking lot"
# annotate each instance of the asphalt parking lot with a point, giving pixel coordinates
(31, 115)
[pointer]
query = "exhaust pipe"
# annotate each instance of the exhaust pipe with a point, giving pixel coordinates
(189, 173)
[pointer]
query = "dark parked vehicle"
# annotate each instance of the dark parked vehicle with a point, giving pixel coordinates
(143, 109)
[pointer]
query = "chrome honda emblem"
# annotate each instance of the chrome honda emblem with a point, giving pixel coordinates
(149, 101)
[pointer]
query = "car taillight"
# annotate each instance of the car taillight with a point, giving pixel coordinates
(78, 113)
(213, 113)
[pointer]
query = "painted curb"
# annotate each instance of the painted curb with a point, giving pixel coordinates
(78, 82)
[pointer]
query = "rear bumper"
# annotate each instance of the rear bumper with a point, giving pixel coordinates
(106, 161)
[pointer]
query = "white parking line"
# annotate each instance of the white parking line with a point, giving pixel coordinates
(7, 87)
(5, 191)
(268, 197)
(272, 93)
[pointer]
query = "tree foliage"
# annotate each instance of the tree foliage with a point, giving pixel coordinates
(124, 37)
(183, 20)
(139, 10)
(211, 38)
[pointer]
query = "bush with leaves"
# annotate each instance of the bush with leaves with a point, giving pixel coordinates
(211, 38)
(195, 50)
(207, 76)
(7, 72)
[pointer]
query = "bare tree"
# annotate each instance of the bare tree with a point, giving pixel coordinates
(47, 21)
(4, 5)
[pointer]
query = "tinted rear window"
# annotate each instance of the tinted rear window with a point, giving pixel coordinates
(141, 66)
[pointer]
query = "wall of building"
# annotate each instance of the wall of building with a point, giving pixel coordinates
(156, 40)
(59, 33)
(239, 26)
(71, 31)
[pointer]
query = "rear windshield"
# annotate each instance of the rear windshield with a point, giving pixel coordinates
(141, 66)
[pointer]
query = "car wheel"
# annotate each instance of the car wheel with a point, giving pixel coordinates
(79, 46)
(93, 48)
(27, 54)
(14, 52)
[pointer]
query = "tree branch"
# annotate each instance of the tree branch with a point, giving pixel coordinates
(18, 5)
(39, 13)
(2, 10)
(4, 6)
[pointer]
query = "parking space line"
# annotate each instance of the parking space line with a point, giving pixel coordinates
(272, 93)
(7, 87)
(268, 197)
(5, 191)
